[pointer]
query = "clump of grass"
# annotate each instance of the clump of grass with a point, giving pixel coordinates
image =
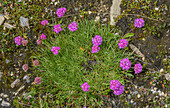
(75, 64)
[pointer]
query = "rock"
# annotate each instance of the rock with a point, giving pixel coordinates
(0, 99)
(2, 19)
(8, 26)
(6, 104)
(24, 21)
(115, 11)
(5, 95)
(15, 83)
(167, 76)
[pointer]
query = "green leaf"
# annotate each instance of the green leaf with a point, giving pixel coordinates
(128, 35)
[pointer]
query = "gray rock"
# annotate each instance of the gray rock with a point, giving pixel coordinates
(115, 11)
(6, 104)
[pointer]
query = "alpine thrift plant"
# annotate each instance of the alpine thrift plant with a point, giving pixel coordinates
(43, 36)
(138, 68)
(38, 41)
(119, 90)
(44, 22)
(97, 40)
(25, 67)
(85, 87)
(122, 43)
(139, 23)
(125, 64)
(60, 12)
(36, 62)
(55, 50)
(116, 86)
(24, 42)
(37, 80)
(18, 40)
(57, 28)
(73, 26)
(95, 49)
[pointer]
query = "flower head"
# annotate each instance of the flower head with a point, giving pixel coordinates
(73, 26)
(44, 22)
(18, 40)
(37, 80)
(95, 49)
(60, 12)
(139, 23)
(43, 36)
(57, 28)
(122, 43)
(125, 64)
(38, 41)
(24, 42)
(138, 68)
(114, 84)
(97, 40)
(36, 62)
(25, 67)
(55, 50)
(85, 86)
(119, 90)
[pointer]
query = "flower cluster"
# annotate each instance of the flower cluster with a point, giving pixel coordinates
(44, 22)
(85, 87)
(138, 68)
(57, 28)
(139, 23)
(24, 42)
(55, 50)
(37, 80)
(96, 41)
(73, 26)
(36, 62)
(43, 36)
(18, 40)
(125, 64)
(122, 43)
(25, 67)
(116, 86)
(60, 12)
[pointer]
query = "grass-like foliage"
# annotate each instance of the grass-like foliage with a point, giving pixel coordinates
(75, 64)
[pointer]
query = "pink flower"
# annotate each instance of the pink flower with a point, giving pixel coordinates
(85, 86)
(18, 40)
(73, 26)
(36, 62)
(125, 64)
(24, 42)
(97, 40)
(119, 90)
(44, 22)
(37, 80)
(122, 43)
(138, 68)
(60, 12)
(43, 36)
(38, 42)
(25, 67)
(114, 84)
(57, 28)
(95, 49)
(139, 23)
(55, 50)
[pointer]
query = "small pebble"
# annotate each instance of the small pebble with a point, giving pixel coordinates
(0, 99)
(5, 96)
